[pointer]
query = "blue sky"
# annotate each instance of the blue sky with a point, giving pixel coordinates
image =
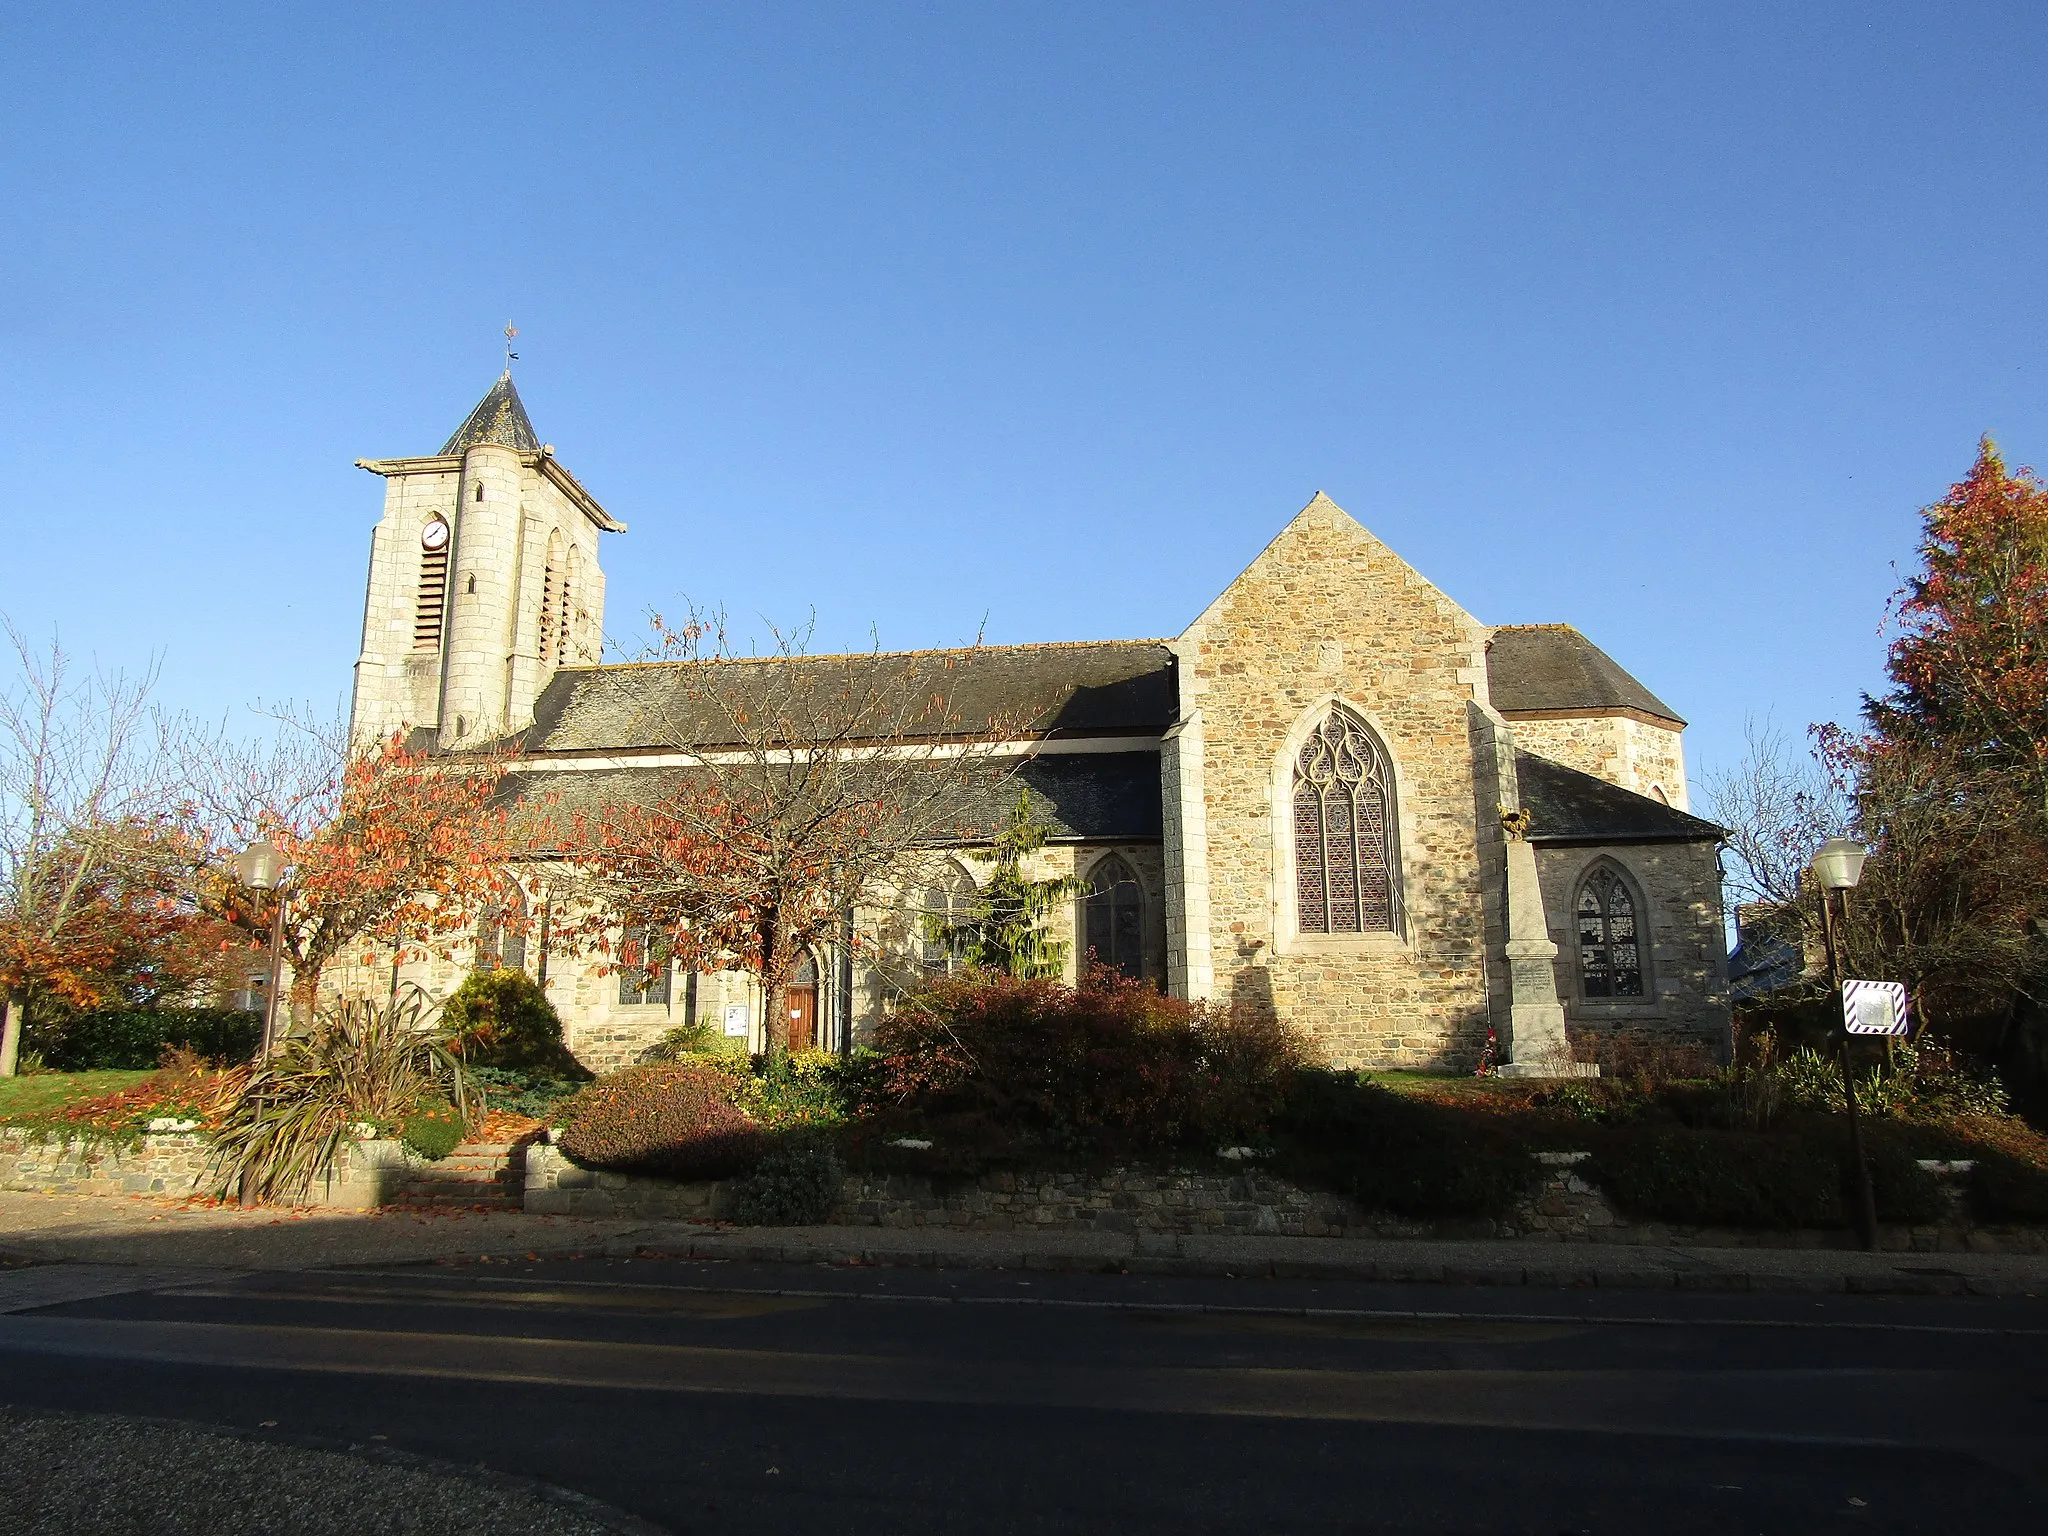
(1660, 320)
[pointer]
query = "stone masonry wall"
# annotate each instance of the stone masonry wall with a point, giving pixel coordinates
(1686, 999)
(178, 1166)
(1325, 613)
(1562, 1208)
(1648, 759)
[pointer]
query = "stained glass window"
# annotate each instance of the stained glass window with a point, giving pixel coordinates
(1610, 946)
(1112, 917)
(1344, 831)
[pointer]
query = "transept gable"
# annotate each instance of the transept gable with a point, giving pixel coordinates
(1328, 605)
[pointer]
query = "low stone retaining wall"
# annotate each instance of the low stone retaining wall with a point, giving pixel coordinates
(367, 1174)
(1563, 1208)
(557, 1187)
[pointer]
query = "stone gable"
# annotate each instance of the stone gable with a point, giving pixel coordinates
(1327, 612)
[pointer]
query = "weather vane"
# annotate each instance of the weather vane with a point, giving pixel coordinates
(511, 357)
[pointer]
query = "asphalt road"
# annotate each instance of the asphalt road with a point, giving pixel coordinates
(727, 1397)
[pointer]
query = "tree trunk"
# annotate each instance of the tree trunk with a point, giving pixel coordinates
(298, 1016)
(10, 1035)
(774, 986)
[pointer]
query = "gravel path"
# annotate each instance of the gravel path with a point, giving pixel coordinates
(77, 1473)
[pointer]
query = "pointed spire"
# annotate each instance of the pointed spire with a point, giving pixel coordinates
(498, 418)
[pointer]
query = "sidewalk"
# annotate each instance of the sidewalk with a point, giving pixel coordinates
(113, 1229)
(50, 1229)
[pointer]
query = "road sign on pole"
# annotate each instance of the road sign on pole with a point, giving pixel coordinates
(1874, 1007)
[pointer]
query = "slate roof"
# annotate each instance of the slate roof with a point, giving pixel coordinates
(1087, 796)
(498, 418)
(1567, 806)
(1103, 688)
(1541, 668)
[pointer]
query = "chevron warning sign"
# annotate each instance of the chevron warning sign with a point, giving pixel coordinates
(1874, 1007)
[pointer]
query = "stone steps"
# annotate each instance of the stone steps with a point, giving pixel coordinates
(475, 1175)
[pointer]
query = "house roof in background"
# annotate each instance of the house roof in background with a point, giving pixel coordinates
(1553, 669)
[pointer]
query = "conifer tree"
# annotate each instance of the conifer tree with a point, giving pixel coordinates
(1969, 667)
(1004, 929)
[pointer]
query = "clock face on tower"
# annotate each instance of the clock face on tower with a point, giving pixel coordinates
(434, 535)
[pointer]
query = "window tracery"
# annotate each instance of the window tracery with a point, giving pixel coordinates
(1344, 841)
(1610, 939)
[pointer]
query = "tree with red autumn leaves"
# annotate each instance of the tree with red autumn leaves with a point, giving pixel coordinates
(1969, 665)
(386, 844)
(1948, 786)
(809, 784)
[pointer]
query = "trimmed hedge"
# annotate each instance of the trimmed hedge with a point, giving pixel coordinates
(676, 1120)
(503, 1019)
(135, 1039)
(434, 1130)
(1746, 1179)
(792, 1187)
(1390, 1152)
(1103, 1070)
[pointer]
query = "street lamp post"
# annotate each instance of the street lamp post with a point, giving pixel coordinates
(261, 868)
(1836, 869)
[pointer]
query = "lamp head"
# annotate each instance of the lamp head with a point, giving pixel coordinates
(259, 866)
(1839, 863)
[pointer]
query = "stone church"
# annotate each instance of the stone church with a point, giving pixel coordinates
(1336, 796)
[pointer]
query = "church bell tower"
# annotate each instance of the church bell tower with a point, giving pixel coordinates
(484, 579)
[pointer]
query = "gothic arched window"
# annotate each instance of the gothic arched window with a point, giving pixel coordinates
(643, 967)
(1344, 842)
(1113, 917)
(1610, 942)
(501, 932)
(948, 903)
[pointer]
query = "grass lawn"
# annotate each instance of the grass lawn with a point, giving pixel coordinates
(42, 1095)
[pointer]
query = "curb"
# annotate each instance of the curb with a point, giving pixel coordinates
(1897, 1281)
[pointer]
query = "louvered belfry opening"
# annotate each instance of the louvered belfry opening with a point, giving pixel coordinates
(550, 600)
(426, 623)
(571, 581)
(1343, 831)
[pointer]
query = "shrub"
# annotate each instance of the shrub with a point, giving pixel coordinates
(677, 1120)
(503, 1019)
(1390, 1152)
(132, 1039)
(2008, 1188)
(698, 1039)
(793, 1186)
(800, 1088)
(360, 1062)
(434, 1129)
(524, 1093)
(1901, 1189)
(1108, 1067)
(1719, 1178)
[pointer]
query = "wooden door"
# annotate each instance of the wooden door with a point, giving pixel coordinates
(803, 1018)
